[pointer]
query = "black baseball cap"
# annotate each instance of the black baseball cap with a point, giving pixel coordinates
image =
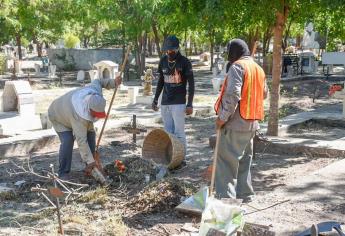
(171, 43)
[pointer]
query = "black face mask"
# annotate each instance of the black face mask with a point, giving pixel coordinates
(172, 55)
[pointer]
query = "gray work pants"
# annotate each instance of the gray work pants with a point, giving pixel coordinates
(233, 178)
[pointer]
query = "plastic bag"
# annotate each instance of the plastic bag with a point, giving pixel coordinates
(221, 216)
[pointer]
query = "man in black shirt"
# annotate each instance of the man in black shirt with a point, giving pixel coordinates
(175, 71)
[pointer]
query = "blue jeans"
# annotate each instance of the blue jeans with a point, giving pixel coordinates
(66, 149)
(174, 120)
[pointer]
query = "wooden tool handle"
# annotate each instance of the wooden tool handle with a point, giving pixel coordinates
(214, 165)
(112, 98)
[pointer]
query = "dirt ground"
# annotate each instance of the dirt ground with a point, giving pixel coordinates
(121, 209)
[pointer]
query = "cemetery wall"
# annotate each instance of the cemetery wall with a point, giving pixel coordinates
(82, 59)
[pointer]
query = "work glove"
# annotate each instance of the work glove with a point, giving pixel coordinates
(154, 106)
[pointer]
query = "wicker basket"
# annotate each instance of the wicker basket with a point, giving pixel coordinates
(163, 148)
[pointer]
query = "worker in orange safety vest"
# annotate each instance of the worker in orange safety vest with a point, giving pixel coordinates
(239, 107)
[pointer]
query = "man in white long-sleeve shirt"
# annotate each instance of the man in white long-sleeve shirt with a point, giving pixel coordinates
(72, 116)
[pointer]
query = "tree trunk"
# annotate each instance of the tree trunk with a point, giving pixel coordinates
(298, 41)
(185, 43)
(155, 32)
(85, 41)
(39, 48)
(19, 44)
(211, 49)
(252, 38)
(276, 72)
(195, 48)
(143, 53)
(138, 47)
(287, 32)
(149, 46)
(266, 41)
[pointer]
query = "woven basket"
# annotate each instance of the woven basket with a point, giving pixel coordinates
(163, 148)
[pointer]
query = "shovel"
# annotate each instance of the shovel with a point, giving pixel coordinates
(96, 155)
(196, 203)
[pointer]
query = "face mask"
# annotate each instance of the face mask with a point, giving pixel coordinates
(172, 54)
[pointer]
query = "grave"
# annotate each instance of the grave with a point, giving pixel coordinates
(219, 73)
(308, 63)
(51, 71)
(18, 109)
(106, 69)
(93, 74)
(81, 75)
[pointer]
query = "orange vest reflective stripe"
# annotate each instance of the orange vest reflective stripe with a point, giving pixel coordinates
(252, 95)
(251, 104)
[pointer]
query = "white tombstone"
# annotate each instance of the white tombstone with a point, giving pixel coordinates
(37, 69)
(81, 75)
(51, 71)
(93, 74)
(144, 100)
(217, 83)
(18, 100)
(106, 69)
(132, 94)
(307, 61)
(17, 96)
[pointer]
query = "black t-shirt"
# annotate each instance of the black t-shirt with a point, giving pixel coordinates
(173, 78)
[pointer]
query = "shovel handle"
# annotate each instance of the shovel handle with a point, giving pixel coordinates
(214, 165)
(112, 99)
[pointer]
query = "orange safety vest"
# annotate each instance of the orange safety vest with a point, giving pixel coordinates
(252, 94)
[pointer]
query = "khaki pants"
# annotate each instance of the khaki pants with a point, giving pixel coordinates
(233, 178)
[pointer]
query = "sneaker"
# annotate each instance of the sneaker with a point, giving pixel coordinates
(247, 199)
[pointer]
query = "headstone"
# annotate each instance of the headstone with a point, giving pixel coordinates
(106, 69)
(51, 71)
(93, 75)
(216, 83)
(132, 94)
(144, 100)
(18, 98)
(81, 75)
(307, 60)
(37, 69)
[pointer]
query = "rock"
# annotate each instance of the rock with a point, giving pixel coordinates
(19, 183)
(189, 227)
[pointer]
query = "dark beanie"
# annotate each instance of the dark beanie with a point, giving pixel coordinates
(237, 48)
